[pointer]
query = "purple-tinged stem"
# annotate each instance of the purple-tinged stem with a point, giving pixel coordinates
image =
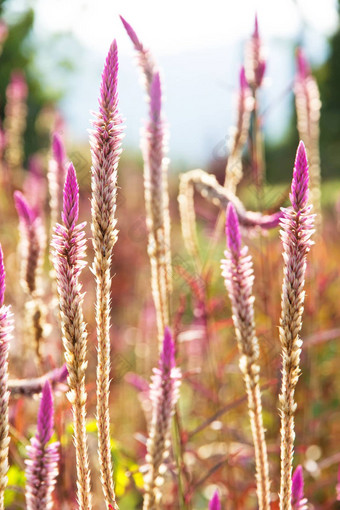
(42, 462)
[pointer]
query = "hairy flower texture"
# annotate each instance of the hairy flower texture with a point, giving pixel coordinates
(68, 244)
(164, 393)
(254, 62)
(299, 502)
(56, 178)
(6, 327)
(32, 241)
(308, 106)
(42, 462)
(105, 143)
(155, 186)
(296, 230)
(15, 121)
(157, 208)
(144, 57)
(215, 503)
(237, 270)
(245, 104)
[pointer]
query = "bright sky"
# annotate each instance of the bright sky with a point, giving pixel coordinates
(177, 25)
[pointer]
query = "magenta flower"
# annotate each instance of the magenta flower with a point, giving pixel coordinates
(215, 503)
(255, 65)
(298, 500)
(56, 177)
(296, 230)
(144, 56)
(164, 393)
(42, 462)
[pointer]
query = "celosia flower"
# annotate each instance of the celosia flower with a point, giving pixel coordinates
(105, 141)
(296, 231)
(42, 463)
(164, 393)
(298, 500)
(144, 56)
(6, 327)
(237, 270)
(255, 65)
(69, 250)
(56, 177)
(215, 503)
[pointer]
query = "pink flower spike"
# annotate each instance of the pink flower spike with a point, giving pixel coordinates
(71, 199)
(167, 360)
(243, 80)
(302, 64)
(108, 90)
(58, 149)
(2, 277)
(215, 503)
(297, 485)
(155, 98)
(233, 232)
(45, 415)
(25, 212)
(131, 33)
(299, 190)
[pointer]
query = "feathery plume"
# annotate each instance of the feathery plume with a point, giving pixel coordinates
(298, 500)
(42, 462)
(296, 231)
(308, 106)
(255, 64)
(157, 208)
(215, 503)
(237, 270)
(15, 121)
(155, 187)
(68, 245)
(6, 327)
(144, 57)
(245, 104)
(56, 178)
(164, 393)
(105, 141)
(32, 241)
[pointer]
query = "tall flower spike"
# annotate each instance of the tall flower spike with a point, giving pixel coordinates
(157, 208)
(155, 187)
(42, 462)
(68, 245)
(164, 393)
(308, 106)
(215, 503)
(245, 104)
(105, 141)
(6, 327)
(144, 58)
(56, 178)
(32, 240)
(299, 502)
(237, 270)
(296, 231)
(255, 65)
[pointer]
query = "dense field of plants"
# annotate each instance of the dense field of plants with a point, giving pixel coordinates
(172, 348)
